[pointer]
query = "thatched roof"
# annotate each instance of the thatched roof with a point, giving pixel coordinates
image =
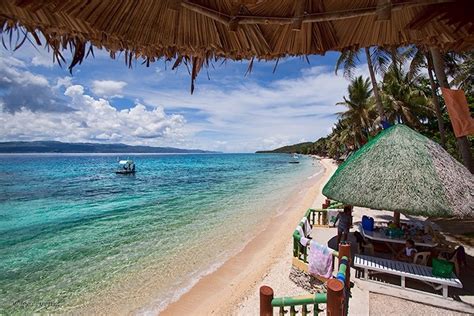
(199, 31)
(402, 170)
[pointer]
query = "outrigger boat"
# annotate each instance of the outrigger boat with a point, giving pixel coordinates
(126, 167)
(295, 159)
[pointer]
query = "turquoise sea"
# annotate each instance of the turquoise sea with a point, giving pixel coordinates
(75, 236)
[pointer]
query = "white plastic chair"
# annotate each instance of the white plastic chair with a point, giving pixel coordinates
(421, 258)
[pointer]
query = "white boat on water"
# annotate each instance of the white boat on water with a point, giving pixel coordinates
(126, 167)
(295, 159)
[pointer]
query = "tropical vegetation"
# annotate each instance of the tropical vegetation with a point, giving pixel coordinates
(407, 93)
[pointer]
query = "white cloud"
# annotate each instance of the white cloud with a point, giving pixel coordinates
(93, 120)
(231, 113)
(251, 116)
(65, 82)
(108, 88)
(44, 59)
(21, 88)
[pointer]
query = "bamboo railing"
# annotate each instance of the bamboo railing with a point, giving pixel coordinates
(318, 218)
(335, 298)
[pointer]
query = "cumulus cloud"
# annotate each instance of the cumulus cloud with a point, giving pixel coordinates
(44, 60)
(65, 82)
(108, 88)
(93, 120)
(20, 88)
(232, 113)
(251, 116)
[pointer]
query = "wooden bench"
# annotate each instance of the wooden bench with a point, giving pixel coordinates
(406, 270)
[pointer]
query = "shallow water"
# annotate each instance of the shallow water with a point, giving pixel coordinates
(71, 230)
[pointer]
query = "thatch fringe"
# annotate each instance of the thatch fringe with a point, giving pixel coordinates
(199, 32)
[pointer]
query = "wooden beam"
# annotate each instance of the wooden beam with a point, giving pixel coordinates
(235, 9)
(215, 15)
(299, 12)
(384, 10)
(310, 18)
(234, 24)
(175, 5)
(337, 15)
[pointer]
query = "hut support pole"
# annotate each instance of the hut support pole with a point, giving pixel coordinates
(266, 297)
(335, 303)
(396, 218)
(345, 251)
(463, 143)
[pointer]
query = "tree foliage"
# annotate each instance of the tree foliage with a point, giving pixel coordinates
(406, 95)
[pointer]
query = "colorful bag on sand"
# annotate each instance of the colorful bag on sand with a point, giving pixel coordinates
(442, 268)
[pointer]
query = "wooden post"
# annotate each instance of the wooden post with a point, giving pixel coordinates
(396, 218)
(326, 203)
(335, 304)
(345, 250)
(266, 297)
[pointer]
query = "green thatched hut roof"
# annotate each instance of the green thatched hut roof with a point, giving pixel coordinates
(402, 170)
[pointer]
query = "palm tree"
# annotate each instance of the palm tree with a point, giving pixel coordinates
(342, 138)
(377, 62)
(422, 59)
(405, 102)
(359, 113)
(463, 74)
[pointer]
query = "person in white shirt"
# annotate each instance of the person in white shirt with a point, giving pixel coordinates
(408, 253)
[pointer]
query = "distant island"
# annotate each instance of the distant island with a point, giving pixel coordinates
(60, 147)
(300, 148)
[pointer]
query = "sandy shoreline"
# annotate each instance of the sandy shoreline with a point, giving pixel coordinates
(223, 291)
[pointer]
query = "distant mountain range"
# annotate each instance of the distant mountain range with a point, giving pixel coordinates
(296, 148)
(60, 147)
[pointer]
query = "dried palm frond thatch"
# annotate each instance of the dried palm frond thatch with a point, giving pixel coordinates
(197, 32)
(402, 170)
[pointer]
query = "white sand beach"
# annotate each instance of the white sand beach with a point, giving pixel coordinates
(234, 288)
(265, 259)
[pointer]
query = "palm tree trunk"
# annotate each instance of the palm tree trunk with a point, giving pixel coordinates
(393, 53)
(437, 107)
(375, 88)
(463, 143)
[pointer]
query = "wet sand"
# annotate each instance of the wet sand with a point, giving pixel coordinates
(221, 292)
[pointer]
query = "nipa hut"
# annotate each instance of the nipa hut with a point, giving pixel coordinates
(402, 170)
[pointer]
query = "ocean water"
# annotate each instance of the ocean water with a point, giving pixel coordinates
(74, 235)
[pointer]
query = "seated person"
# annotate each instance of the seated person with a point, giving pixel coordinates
(408, 253)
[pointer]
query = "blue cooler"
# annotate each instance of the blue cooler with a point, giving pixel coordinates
(367, 223)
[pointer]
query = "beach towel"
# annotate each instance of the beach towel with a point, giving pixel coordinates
(320, 260)
(306, 226)
(303, 240)
(458, 109)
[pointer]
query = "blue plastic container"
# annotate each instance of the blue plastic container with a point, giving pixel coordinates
(367, 223)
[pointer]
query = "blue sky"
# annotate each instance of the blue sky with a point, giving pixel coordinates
(104, 101)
